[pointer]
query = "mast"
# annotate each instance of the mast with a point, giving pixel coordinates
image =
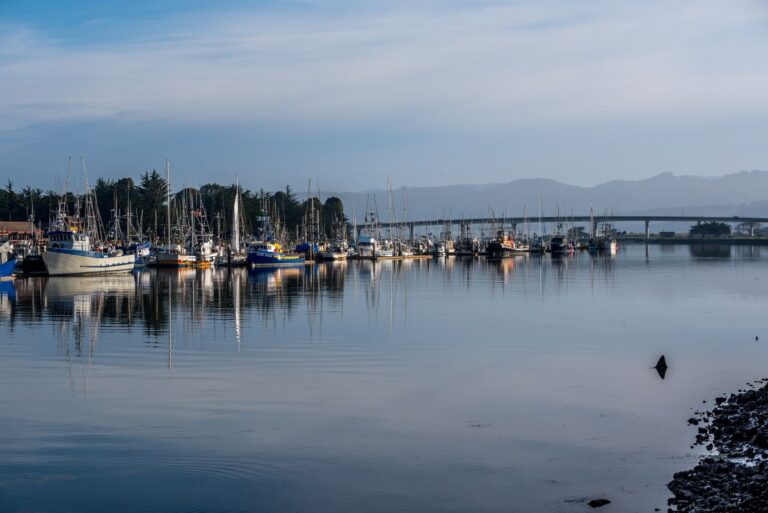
(235, 240)
(354, 224)
(405, 210)
(525, 221)
(541, 223)
(390, 207)
(168, 202)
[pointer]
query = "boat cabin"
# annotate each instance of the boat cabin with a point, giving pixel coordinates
(69, 240)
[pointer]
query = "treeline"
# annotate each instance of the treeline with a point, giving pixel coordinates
(710, 229)
(147, 201)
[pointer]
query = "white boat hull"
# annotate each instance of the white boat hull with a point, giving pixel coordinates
(332, 255)
(62, 264)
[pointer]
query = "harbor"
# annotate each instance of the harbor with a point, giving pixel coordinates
(108, 229)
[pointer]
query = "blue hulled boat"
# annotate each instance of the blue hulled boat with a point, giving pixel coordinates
(6, 269)
(7, 262)
(271, 254)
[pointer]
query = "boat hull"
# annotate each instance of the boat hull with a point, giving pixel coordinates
(332, 255)
(63, 264)
(175, 260)
(6, 270)
(497, 250)
(262, 260)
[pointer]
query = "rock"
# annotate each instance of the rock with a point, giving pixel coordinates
(735, 479)
(598, 503)
(760, 440)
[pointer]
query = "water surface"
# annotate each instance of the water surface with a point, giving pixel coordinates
(425, 386)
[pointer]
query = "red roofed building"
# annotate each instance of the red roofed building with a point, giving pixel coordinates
(18, 230)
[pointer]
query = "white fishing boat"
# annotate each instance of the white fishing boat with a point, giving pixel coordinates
(70, 252)
(74, 243)
(334, 251)
(438, 249)
(367, 246)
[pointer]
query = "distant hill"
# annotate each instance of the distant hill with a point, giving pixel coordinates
(743, 193)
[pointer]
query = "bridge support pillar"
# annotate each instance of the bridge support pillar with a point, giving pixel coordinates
(647, 229)
(410, 232)
(594, 229)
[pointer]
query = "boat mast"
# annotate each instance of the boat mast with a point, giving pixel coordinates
(525, 221)
(390, 207)
(235, 242)
(168, 202)
(405, 212)
(541, 223)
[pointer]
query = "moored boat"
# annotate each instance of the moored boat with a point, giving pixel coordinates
(7, 262)
(33, 264)
(188, 241)
(72, 253)
(334, 251)
(174, 255)
(76, 245)
(501, 247)
(558, 245)
(266, 254)
(367, 246)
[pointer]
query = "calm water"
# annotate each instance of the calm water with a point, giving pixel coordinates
(419, 386)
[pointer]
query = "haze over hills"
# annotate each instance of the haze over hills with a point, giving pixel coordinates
(743, 193)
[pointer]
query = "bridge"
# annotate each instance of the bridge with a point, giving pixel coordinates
(594, 220)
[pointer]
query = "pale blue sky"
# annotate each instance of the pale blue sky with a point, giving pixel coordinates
(433, 92)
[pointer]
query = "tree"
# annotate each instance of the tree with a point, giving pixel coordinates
(150, 198)
(10, 200)
(333, 215)
(709, 229)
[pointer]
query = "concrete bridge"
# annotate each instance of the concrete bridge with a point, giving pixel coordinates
(754, 222)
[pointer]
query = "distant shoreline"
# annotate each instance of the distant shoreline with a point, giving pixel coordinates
(736, 241)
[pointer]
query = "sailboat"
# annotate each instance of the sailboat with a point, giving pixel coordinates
(235, 255)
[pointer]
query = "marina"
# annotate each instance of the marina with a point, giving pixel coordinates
(383, 257)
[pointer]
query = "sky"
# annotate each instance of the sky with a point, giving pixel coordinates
(347, 93)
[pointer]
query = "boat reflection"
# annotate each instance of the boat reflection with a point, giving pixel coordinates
(7, 300)
(151, 299)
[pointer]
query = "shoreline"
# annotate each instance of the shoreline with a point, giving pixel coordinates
(734, 476)
(685, 241)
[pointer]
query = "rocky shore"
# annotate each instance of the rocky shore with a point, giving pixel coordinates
(734, 476)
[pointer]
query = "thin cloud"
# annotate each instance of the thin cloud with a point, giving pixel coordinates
(430, 66)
